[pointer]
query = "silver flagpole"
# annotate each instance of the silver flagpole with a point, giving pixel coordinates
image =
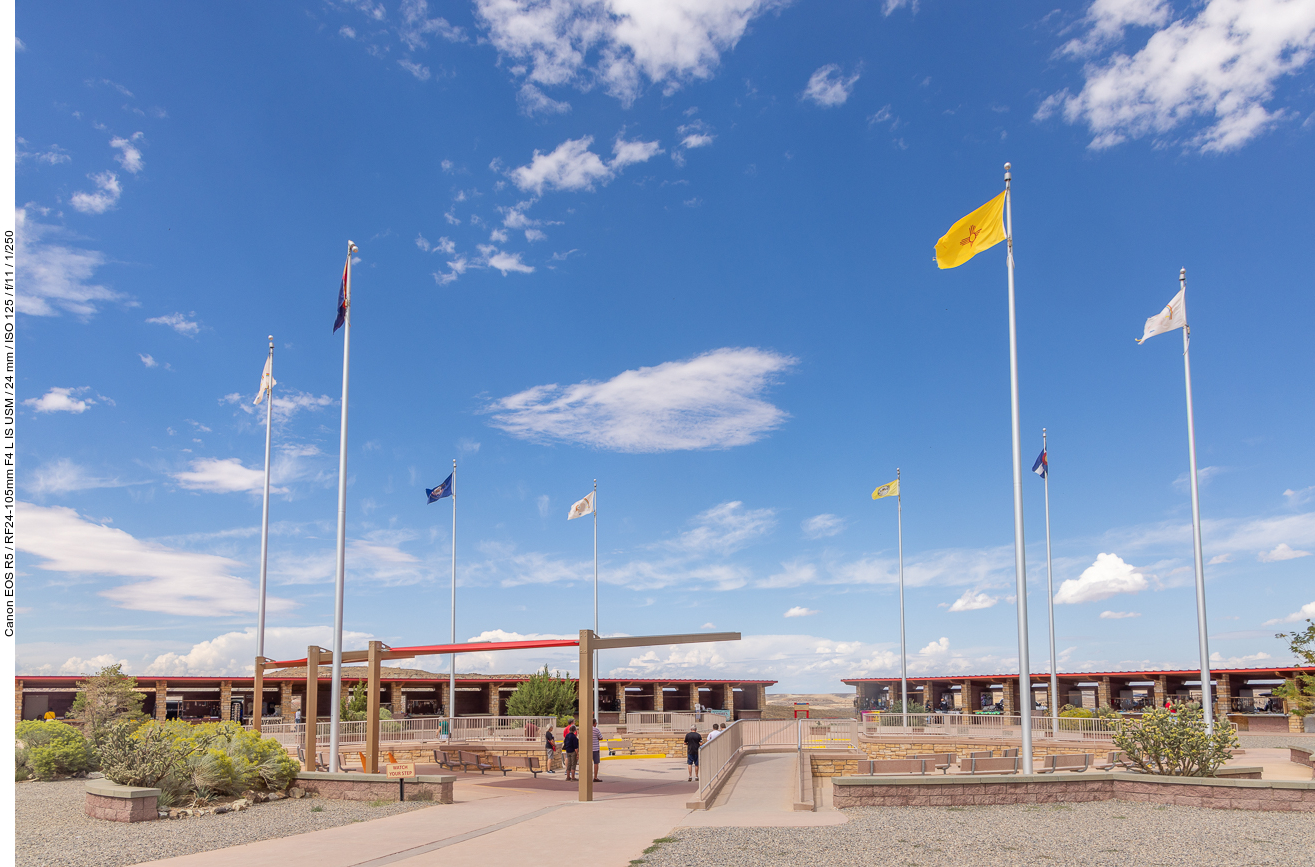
(1020, 563)
(452, 669)
(596, 597)
(903, 657)
(340, 585)
(1050, 597)
(1207, 693)
(264, 518)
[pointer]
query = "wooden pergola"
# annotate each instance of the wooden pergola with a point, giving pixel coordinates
(377, 652)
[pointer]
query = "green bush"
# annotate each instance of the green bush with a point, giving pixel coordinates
(544, 694)
(50, 749)
(200, 762)
(1175, 742)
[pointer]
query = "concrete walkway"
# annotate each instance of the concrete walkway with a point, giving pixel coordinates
(505, 822)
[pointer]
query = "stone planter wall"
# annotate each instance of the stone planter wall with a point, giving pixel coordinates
(942, 791)
(903, 747)
(377, 787)
(115, 803)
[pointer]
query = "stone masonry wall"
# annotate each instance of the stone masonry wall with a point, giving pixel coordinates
(900, 749)
(385, 790)
(122, 809)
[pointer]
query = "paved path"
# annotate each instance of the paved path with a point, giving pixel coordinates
(760, 793)
(505, 822)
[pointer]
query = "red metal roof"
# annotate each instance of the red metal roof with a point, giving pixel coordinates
(61, 679)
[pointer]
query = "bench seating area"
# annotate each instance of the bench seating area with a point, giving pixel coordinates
(466, 760)
(1050, 764)
(1002, 765)
(1117, 759)
(892, 767)
(939, 761)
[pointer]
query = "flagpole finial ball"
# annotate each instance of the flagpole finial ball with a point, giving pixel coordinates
(1007, 167)
(1182, 273)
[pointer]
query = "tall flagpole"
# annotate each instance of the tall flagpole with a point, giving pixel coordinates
(452, 669)
(1050, 595)
(335, 699)
(903, 656)
(596, 598)
(1207, 693)
(264, 518)
(1020, 563)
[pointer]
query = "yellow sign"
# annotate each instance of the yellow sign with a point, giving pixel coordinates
(400, 770)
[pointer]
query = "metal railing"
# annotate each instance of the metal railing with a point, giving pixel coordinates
(672, 721)
(717, 757)
(1004, 727)
(1257, 704)
(351, 733)
(828, 734)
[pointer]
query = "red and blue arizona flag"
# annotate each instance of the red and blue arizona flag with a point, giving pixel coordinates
(1042, 466)
(344, 294)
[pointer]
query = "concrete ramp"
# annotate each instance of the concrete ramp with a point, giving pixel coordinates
(761, 792)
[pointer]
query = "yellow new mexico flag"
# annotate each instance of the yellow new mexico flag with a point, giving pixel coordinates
(982, 228)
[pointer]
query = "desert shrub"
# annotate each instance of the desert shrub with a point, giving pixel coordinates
(1300, 691)
(199, 762)
(1175, 742)
(1106, 712)
(1069, 710)
(107, 698)
(355, 704)
(50, 749)
(544, 694)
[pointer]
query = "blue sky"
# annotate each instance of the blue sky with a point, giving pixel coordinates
(684, 248)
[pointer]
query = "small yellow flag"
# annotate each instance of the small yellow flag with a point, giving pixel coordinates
(982, 228)
(888, 490)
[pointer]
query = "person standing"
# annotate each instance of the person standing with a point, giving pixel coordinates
(550, 746)
(692, 741)
(598, 750)
(571, 747)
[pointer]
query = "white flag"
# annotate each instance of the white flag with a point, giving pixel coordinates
(582, 508)
(266, 379)
(1174, 315)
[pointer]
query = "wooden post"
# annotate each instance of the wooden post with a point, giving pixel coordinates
(372, 709)
(311, 703)
(585, 721)
(259, 692)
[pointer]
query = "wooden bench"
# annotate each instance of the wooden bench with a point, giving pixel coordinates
(622, 748)
(1010, 754)
(528, 763)
(938, 761)
(1002, 765)
(467, 759)
(890, 767)
(1050, 764)
(1115, 759)
(981, 754)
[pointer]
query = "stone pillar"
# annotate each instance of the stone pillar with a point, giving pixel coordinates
(161, 699)
(285, 701)
(494, 694)
(970, 697)
(1161, 690)
(930, 695)
(1224, 696)
(395, 699)
(657, 697)
(1103, 693)
(693, 697)
(728, 693)
(1059, 698)
(444, 700)
(18, 701)
(621, 700)
(225, 700)
(762, 697)
(1011, 696)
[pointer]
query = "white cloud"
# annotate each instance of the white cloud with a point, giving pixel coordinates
(130, 156)
(148, 360)
(498, 236)
(1183, 483)
(711, 401)
(974, 600)
(1118, 615)
(222, 476)
(416, 25)
(61, 400)
(1102, 579)
(572, 166)
(233, 653)
(63, 475)
(178, 322)
(533, 235)
(889, 6)
(823, 526)
(1281, 552)
(52, 156)
(1219, 68)
(800, 611)
(170, 581)
(347, 32)
(1305, 612)
(77, 665)
(828, 86)
(1218, 660)
(724, 529)
(614, 43)
(105, 197)
(419, 71)
(55, 275)
(544, 503)
(442, 245)
(1218, 559)
(696, 140)
(287, 403)
(1297, 498)
(502, 261)
(534, 101)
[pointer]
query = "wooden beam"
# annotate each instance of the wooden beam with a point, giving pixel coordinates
(372, 710)
(259, 691)
(311, 702)
(650, 640)
(585, 721)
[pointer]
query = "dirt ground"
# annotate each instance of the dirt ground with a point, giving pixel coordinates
(825, 705)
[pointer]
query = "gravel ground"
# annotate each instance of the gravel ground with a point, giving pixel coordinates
(1106, 834)
(52, 830)
(1276, 740)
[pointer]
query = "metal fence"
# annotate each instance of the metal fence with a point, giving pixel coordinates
(351, 733)
(1000, 726)
(717, 757)
(672, 721)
